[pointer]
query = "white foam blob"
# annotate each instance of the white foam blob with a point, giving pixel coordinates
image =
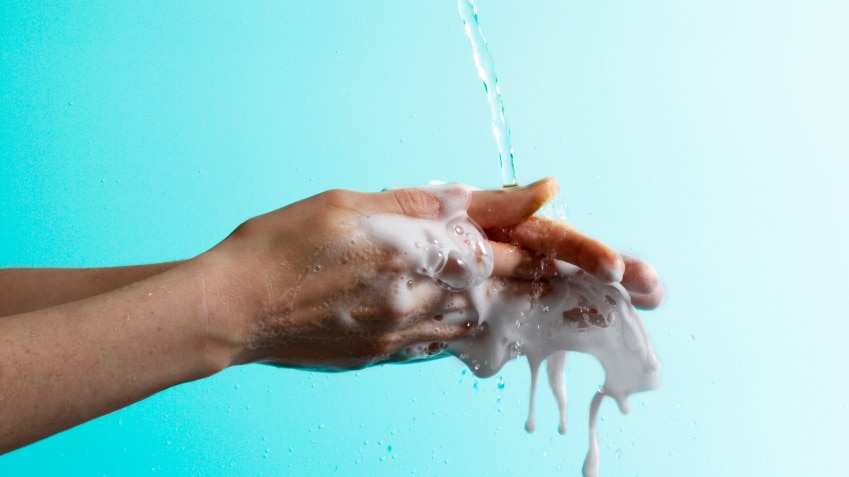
(452, 250)
(571, 312)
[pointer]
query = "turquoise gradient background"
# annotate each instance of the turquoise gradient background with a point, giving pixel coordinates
(711, 138)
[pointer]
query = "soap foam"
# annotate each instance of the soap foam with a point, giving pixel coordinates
(541, 320)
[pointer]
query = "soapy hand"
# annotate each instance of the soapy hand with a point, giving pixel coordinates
(310, 285)
(304, 286)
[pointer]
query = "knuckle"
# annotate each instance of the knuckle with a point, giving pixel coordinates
(394, 262)
(337, 198)
(416, 203)
(396, 310)
(246, 229)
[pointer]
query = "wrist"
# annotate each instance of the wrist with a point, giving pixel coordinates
(227, 306)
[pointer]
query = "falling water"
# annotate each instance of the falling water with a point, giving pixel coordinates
(486, 70)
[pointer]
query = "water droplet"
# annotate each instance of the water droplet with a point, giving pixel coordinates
(458, 230)
(501, 382)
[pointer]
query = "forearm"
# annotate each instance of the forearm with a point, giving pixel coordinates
(65, 365)
(28, 289)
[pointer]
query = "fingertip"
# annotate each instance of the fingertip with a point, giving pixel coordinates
(509, 206)
(601, 260)
(659, 295)
(640, 277)
(611, 268)
(541, 191)
(650, 301)
(548, 187)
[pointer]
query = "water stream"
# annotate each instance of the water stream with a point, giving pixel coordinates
(597, 318)
(486, 69)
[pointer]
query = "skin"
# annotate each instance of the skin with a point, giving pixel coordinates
(77, 344)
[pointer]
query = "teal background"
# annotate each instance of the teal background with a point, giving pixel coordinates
(707, 137)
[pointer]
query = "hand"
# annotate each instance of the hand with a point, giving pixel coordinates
(278, 283)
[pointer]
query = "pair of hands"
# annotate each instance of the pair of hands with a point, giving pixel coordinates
(277, 284)
(309, 285)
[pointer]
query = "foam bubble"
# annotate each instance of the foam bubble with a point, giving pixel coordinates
(541, 320)
(452, 250)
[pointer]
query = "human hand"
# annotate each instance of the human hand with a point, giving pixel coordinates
(304, 287)
(557, 240)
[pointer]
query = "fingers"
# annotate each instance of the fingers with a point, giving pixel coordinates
(509, 206)
(642, 283)
(558, 240)
(512, 261)
(639, 277)
(524, 246)
(649, 301)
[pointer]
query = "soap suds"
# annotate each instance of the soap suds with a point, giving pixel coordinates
(541, 320)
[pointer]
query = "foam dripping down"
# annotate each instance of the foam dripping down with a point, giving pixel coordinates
(541, 320)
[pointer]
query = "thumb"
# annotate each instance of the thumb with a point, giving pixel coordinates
(509, 206)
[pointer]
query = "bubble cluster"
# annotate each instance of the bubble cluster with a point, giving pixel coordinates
(451, 250)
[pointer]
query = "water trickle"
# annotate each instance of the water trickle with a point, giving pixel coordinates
(486, 70)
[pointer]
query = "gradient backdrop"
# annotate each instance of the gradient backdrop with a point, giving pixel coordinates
(709, 137)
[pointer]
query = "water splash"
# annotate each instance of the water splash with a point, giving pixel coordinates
(486, 70)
